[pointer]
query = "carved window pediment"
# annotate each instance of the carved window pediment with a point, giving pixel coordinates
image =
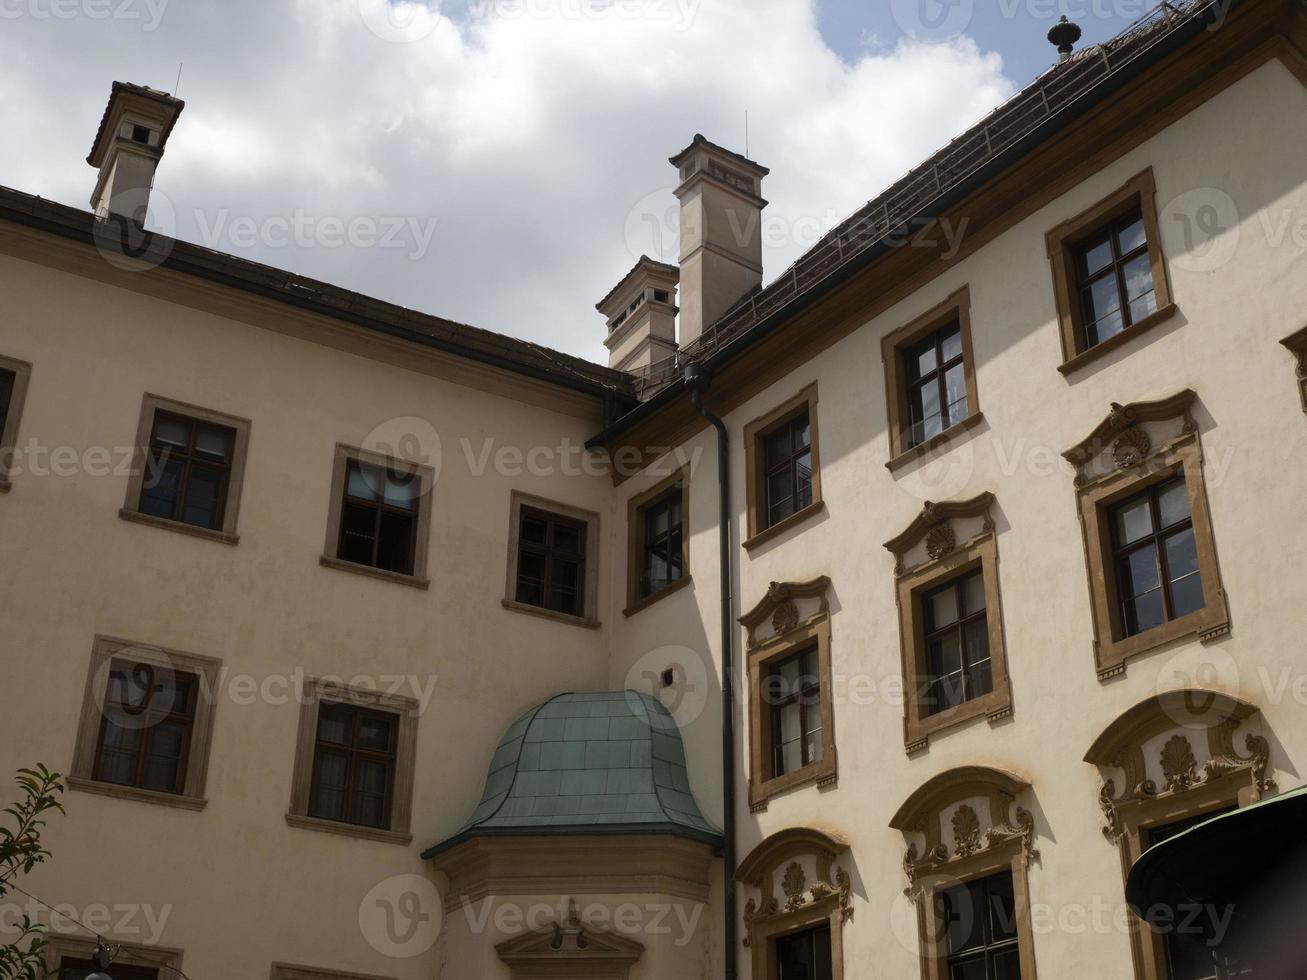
(940, 530)
(786, 607)
(1132, 435)
(569, 946)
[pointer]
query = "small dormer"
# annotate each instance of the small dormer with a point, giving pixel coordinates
(641, 314)
(128, 147)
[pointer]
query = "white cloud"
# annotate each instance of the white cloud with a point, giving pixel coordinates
(535, 132)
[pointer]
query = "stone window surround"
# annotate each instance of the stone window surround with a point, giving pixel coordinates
(22, 372)
(893, 352)
(1139, 465)
(1140, 192)
(313, 692)
(807, 905)
(517, 500)
(1297, 344)
(131, 509)
(104, 651)
(1229, 780)
(1008, 845)
(288, 971)
(790, 637)
(948, 559)
(756, 497)
(59, 945)
(331, 548)
(635, 541)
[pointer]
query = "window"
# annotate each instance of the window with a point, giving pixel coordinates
(1297, 345)
(189, 468)
(791, 710)
(658, 542)
(930, 379)
(353, 765)
(1156, 557)
(71, 968)
(804, 955)
(782, 457)
(1149, 544)
(981, 924)
(1115, 280)
(380, 516)
(354, 761)
(950, 619)
(957, 644)
(71, 957)
(146, 725)
(552, 561)
(1109, 275)
(13, 392)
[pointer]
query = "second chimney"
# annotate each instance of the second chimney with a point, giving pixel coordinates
(721, 232)
(128, 147)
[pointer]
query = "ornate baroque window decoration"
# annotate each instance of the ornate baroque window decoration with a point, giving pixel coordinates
(967, 829)
(954, 658)
(799, 888)
(1167, 762)
(1297, 343)
(568, 949)
(791, 710)
(1140, 486)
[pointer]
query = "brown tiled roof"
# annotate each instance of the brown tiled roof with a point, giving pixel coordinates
(142, 90)
(911, 197)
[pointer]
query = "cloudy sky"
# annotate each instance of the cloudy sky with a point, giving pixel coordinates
(503, 162)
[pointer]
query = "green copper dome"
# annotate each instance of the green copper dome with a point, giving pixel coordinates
(610, 763)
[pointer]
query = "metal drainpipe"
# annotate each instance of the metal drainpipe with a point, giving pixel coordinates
(697, 379)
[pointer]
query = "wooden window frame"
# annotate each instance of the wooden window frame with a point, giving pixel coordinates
(790, 638)
(519, 500)
(1097, 493)
(636, 509)
(389, 757)
(57, 946)
(754, 433)
(1138, 194)
(1155, 541)
(107, 650)
(1297, 345)
(313, 693)
(947, 560)
(185, 718)
(22, 372)
(151, 406)
(426, 475)
(289, 971)
(894, 349)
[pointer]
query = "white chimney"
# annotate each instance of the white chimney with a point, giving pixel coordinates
(128, 147)
(721, 232)
(641, 315)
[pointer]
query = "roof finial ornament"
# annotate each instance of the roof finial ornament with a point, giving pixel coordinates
(1064, 34)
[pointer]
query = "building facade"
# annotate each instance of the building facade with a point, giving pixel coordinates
(377, 646)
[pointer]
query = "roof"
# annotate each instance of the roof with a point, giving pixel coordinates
(701, 140)
(642, 264)
(144, 91)
(485, 346)
(957, 167)
(607, 763)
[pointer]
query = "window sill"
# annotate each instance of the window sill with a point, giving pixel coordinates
(570, 620)
(1205, 625)
(348, 566)
(136, 517)
(935, 443)
(776, 530)
(136, 793)
(663, 593)
(994, 707)
(823, 773)
(1074, 364)
(348, 829)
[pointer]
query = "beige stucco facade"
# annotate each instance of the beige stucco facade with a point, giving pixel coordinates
(237, 888)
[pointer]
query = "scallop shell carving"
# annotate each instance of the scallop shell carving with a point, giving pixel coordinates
(941, 541)
(1131, 447)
